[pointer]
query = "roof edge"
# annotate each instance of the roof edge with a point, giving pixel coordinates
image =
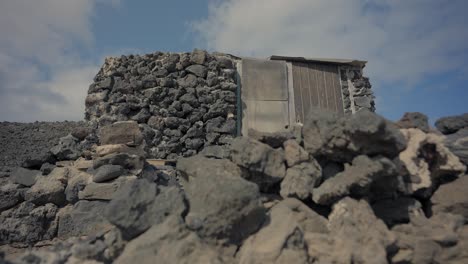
(359, 63)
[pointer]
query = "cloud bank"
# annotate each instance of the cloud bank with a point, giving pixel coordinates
(43, 75)
(404, 41)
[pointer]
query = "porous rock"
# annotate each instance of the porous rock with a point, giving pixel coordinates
(82, 219)
(452, 198)
(28, 223)
(301, 179)
(67, 149)
(222, 204)
(49, 189)
(414, 120)
(427, 161)
(121, 133)
(265, 164)
(281, 239)
(341, 139)
(140, 204)
(169, 242)
(24, 176)
(355, 180)
(451, 124)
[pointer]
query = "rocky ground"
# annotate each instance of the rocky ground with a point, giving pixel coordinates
(30, 141)
(359, 189)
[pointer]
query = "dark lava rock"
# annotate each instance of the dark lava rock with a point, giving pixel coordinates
(28, 223)
(451, 124)
(414, 120)
(107, 172)
(222, 204)
(140, 204)
(24, 177)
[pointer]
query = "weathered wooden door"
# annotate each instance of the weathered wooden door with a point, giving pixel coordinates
(265, 96)
(316, 85)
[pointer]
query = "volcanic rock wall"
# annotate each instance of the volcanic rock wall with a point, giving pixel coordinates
(182, 101)
(356, 90)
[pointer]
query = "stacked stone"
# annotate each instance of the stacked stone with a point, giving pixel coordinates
(356, 90)
(340, 190)
(182, 101)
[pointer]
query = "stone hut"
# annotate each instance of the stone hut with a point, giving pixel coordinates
(184, 102)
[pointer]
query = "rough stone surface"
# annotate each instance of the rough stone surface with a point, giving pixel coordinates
(28, 223)
(24, 176)
(82, 219)
(49, 189)
(355, 180)
(170, 242)
(107, 172)
(222, 204)
(68, 148)
(427, 161)
(140, 204)
(300, 180)
(274, 140)
(9, 196)
(103, 191)
(174, 97)
(451, 124)
(414, 120)
(433, 240)
(265, 164)
(282, 238)
(31, 141)
(294, 153)
(120, 133)
(452, 198)
(457, 143)
(342, 139)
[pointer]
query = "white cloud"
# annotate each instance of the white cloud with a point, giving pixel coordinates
(42, 74)
(402, 40)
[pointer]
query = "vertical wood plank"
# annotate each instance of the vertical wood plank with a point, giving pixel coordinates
(313, 91)
(330, 89)
(338, 92)
(321, 87)
(305, 90)
(297, 93)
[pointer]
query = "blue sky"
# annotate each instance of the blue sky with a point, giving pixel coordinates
(417, 50)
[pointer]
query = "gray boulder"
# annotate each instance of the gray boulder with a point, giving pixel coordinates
(222, 204)
(457, 143)
(123, 132)
(294, 153)
(281, 239)
(266, 165)
(170, 242)
(452, 198)
(414, 120)
(68, 148)
(103, 191)
(82, 219)
(49, 189)
(217, 152)
(9, 196)
(301, 179)
(28, 223)
(140, 204)
(355, 180)
(342, 139)
(133, 163)
(24, 176)
(438, 239)
(451, 124)
(198, 70)
(107, 172)
(77, 180)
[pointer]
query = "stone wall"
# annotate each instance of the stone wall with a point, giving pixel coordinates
(182, 101)
(356, 89)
